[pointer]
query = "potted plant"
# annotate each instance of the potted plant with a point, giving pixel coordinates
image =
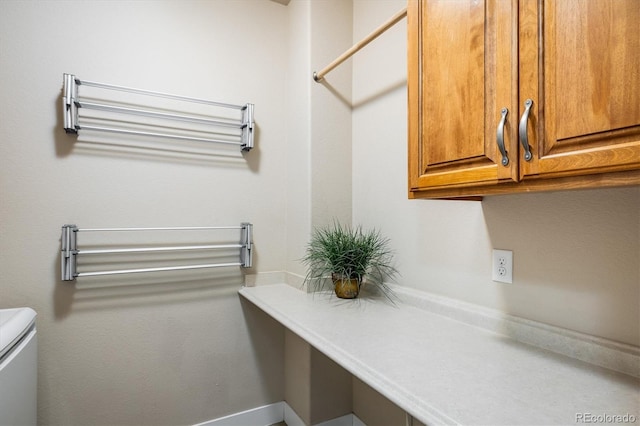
(348, 257)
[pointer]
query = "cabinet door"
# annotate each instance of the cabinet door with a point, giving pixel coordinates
(580, 65)
(462, 73)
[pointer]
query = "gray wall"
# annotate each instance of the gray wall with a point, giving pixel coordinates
(172, 348)
(576, 254)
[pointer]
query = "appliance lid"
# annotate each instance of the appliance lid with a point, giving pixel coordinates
(14, 323)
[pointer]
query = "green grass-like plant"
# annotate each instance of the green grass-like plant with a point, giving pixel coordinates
(338, 251)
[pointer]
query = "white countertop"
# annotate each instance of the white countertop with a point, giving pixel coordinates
(442, 371)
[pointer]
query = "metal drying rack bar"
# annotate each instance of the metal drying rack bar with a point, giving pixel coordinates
(70, 251)
(72, 103)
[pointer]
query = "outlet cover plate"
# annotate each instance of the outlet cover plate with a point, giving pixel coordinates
(502, 266)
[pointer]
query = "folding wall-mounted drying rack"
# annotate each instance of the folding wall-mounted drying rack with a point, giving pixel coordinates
(70, 250)
(72, 103)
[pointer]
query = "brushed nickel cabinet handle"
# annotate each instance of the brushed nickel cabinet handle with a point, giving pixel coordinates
(500, 137)
(522, 130)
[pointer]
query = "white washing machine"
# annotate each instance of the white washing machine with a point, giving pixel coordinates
(18, 367)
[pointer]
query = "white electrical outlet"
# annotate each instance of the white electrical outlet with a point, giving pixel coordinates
(502, 270)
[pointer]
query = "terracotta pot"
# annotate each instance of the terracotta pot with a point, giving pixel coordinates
(346, 288)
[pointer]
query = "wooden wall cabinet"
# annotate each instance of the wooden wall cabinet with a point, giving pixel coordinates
(472, 63)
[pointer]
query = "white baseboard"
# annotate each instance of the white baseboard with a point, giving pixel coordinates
(290, 417)
(357, 421)
(347, 420)
(260, 416)
(276, 413)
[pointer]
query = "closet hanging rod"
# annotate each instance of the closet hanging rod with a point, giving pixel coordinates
(158, 94)
(153, 114)
(318, 76)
